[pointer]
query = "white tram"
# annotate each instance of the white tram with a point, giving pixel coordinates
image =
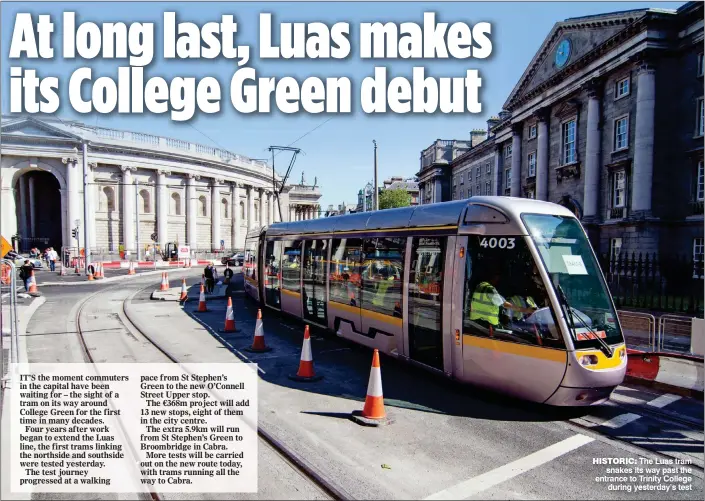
(500, 292)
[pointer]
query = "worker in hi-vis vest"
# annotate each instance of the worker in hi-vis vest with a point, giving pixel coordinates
(486, 303)
(523, 302)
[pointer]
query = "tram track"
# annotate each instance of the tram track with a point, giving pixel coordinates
(288, 455)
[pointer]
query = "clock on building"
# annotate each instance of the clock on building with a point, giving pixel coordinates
(562, 53)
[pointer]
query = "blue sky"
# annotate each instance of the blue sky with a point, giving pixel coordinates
(340, 152)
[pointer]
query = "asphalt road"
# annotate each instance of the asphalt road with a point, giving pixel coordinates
(446, 442)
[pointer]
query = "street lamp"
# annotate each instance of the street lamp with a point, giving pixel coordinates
(375, 202)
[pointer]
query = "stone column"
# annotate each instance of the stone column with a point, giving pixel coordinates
(191, 211)
(73, 207)
(32, 209)
(215, 213)
(498, 171)
(292, 213)
(262, 208)
(92, 206)
(24, 223)
(644, 139)
(236, 217)
(515, 187)
(542, 155)
(592, 151)
(270, 206)
(250, 208)
(162, 209)
(128, 210)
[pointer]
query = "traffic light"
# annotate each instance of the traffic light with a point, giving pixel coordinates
(74, 232)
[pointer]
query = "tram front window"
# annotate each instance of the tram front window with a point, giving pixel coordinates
(570, 263)
(505, 298)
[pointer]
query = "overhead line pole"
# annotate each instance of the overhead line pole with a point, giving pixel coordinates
(278, 191)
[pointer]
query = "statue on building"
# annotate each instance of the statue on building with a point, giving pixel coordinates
(303, 181)
(315, 181)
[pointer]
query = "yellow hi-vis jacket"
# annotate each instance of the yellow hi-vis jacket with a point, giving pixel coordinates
(485, 304)
(522, 303)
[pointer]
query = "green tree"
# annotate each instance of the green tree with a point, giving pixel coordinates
(390, 199)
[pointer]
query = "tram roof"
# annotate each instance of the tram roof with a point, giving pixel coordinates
(430, 215)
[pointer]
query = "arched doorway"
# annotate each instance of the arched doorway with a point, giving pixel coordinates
(38, 202)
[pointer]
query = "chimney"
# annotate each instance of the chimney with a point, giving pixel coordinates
(477, 136)
(504, 115)
(494, 120)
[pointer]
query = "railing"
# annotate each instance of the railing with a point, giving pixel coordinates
(9, 327)
(171, 143)
(639, 330)
(669, 284)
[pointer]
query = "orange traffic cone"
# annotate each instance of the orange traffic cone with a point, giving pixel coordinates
(98, 271)
(230, 318)
(76, 270)
(202, 301)
(184, 291)
(32, 284)
(90, 272)
(131, 269)
(306, 372)
(373, 414)
(258, 345)
(165, 282)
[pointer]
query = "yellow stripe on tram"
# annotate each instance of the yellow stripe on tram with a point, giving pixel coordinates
(602, 361)
(290, 293)
(396, 321)
(522, 350)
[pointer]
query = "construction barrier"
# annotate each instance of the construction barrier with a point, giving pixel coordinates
(639, 329)
(674, 373)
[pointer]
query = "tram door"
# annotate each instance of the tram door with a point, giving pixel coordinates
(425, 298)
(314, 281)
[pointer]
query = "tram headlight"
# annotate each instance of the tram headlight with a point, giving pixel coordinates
(586, 360)
(622, 354)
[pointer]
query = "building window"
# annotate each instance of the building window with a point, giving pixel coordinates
(469, 191)
(508, 151)
(568, 135)
(615, 247)
(530, 194)
(532, 131)
(242, 211)
(532, 164)
(621, 88)
(462, 194)
(455, 181)
(462, 179)
(621, 133)
(698, 251)
(107, 201)
(700, 190)
(487, 189)
(203, 205)
(144, 195)
(225, 205)
(700, 64)
(477, 173)
(488, 168)
(507, 179)
(469, 175)
(701, 116)
(175, 204)
(477, 190)
(619, 189)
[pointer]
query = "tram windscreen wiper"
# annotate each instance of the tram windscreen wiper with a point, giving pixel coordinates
(603, 345)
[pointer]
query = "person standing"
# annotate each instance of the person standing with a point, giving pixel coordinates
(52, 256)
(26, 271)
(210, 273)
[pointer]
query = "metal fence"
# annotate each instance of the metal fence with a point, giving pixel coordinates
(672, 284)
(9, 324)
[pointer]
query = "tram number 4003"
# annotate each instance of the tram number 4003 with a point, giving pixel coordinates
(502, 243)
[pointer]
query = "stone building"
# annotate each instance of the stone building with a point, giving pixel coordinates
(173, 190)
(399, 183)
(608, 120)
(475, 171)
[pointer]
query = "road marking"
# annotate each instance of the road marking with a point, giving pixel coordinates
(663, 400)
(621, 420)
(495, 477)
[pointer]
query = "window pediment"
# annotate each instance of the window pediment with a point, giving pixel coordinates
(568, 108)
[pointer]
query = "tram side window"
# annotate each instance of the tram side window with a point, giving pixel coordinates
(382, 275)
(250, 264)
(271, 271)
(291, 266)
(345, 271)
(505, 297)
